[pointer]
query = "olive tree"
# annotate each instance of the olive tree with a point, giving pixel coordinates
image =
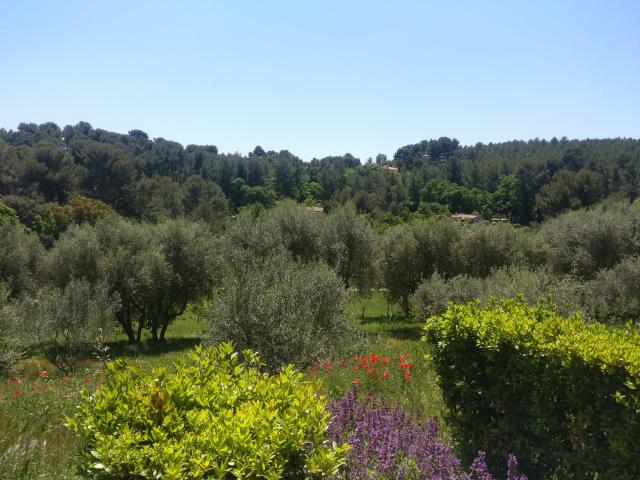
(287, 311)
(21, 255)
(66, 320)
(400, 272)
(350, 246)
(155, 271)
(583, 242)
(299, 230)
(9, 350)
(183, 268)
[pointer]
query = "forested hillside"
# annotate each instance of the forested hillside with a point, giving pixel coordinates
(43, 168)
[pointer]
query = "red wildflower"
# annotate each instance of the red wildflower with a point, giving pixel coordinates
(44, 374)
(15, 393)
(355, 368)
(402, 356)
(87, 379)
(385, 360)
(313, 372)
(15, 380)
(385, 374)
(343, 362)
(379, 379)
(354, 357)
(356, 381)
(407, 376)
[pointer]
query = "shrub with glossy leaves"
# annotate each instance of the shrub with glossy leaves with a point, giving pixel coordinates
(561, 393)
(219, 416)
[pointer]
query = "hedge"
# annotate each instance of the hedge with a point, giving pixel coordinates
(560, 393)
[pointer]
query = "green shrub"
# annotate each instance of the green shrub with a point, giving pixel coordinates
(536, 286)
(21, 255)
(217, 417)
(613, 294)
(9, 351)
(66, 320)
(287, 311)
(559, 393)
(585, 241)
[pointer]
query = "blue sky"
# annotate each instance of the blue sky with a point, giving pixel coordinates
(325, 77)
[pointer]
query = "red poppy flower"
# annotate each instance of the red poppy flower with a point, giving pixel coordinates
(385, 374)
(44, 374)
(15, 393)
(87, 379)
(356, 381)
(379, 379)
(15, 380)
(355, 368)
(407, 376)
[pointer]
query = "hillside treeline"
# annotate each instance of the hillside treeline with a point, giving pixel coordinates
(44, 167)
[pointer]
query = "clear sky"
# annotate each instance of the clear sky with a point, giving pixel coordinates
(324, 77)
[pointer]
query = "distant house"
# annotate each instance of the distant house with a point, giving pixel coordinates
(466, 217)
(391, 168)
(316, 210)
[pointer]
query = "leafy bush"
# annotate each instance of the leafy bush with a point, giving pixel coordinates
(535, 286)
(21, 256)
(561, 393)
(9, 351)
(67, 319)
(586, 241)
(443, 249)
(613, 294)
(349, 246)
(388, 443)
(217, 417)
(287, 311)
(155, 270)
(487, 246)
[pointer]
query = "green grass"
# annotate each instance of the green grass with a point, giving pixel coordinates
(34, 443)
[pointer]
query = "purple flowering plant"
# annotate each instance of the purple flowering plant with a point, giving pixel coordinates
(388, 443)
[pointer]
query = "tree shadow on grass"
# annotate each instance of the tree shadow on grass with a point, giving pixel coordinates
(388, 320)
(122, 348)
(398, 327)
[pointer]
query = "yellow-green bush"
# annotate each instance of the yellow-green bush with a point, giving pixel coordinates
(560, 393)
(218, 416)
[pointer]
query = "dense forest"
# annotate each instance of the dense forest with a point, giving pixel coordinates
(50, 176)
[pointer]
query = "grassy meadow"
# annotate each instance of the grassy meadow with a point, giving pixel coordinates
(35, 397)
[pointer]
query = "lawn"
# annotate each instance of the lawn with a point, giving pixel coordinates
(35, 397)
